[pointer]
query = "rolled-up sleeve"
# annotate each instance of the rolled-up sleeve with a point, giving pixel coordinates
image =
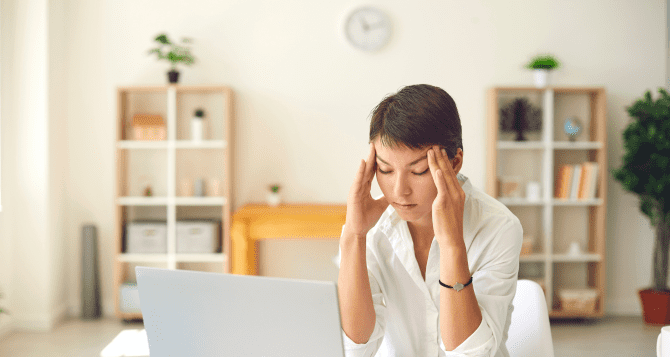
(370, 348)
(495, 287)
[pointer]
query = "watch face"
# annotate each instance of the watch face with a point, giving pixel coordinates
(368, 28)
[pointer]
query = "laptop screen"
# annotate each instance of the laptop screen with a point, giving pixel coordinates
(195, 313)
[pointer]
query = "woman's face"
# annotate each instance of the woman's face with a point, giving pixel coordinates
(404, 177)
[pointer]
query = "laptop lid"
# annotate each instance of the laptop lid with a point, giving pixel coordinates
(194, 313)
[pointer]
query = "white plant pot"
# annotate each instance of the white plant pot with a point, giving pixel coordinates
(541, 77)
(273, 199)
(196, 128)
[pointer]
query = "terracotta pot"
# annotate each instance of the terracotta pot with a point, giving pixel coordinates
(655, 306)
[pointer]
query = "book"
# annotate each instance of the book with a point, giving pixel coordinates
(585, 181)
(574, 185)
(564, 180)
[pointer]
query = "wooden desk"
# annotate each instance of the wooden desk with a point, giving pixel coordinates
(253, 222)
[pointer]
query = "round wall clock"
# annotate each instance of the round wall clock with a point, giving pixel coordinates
(368, 28)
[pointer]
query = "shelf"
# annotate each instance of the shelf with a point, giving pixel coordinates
(561, 258)
(142, 201)
(162, 258)
(567, 145)
(142, 258)
(201, 201)
(535, 257)
(565, 258)
(556, 145)
(513, 201)
(179, 201)
(164, 144)
(565, 202)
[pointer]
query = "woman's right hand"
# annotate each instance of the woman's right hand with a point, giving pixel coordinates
(363, 211)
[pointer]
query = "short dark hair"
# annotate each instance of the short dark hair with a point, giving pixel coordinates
(418, 116)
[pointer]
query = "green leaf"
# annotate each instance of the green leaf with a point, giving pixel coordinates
(162, 38)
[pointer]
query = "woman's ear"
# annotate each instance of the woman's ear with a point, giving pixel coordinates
(457, 161)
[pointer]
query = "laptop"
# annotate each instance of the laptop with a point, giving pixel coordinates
(195, 313)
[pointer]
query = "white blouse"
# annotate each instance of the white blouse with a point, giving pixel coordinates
(408, 308)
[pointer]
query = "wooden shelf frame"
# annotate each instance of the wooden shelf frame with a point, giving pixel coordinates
(170, 202)
(594, 148)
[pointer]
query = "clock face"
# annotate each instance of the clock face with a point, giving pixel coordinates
(368, 28)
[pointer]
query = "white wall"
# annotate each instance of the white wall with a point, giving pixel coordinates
(303, 96)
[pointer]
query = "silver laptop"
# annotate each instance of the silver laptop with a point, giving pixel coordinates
(194, 313)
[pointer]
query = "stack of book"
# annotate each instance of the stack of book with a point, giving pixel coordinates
(577, 182)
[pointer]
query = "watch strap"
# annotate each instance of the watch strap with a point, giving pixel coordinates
(457, 286)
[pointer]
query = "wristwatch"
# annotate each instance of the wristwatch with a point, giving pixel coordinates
(458, 286)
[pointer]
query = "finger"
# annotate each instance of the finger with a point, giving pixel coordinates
(434, 167)
(370, 164)
(447, 170)
(360, 174)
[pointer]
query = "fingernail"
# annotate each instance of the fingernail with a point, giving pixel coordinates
(444, 152)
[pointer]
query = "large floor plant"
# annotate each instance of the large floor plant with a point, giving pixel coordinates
(646, 172)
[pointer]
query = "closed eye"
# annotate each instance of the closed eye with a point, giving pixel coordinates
(417, 174)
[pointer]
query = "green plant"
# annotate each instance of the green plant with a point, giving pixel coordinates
(543, 62)
(199, 113)
(175, 54)
(2, 311)
(274, 188)
(646, 171)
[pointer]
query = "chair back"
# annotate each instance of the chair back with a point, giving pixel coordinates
(529, 331)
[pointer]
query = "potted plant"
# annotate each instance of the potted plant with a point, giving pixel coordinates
(2, 311)
(645, 172)
(520, 116)
(175, 54)
(273, 196)
(542, 64)
(197, 125)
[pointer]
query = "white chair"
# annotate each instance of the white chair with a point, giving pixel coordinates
(529, 331)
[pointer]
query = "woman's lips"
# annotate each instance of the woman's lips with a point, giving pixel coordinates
(405, 206)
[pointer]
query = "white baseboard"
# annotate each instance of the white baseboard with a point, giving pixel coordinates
(623, 307)
(41, 323)
(6, 326)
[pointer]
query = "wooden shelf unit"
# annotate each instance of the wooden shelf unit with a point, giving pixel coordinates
(555, 223)
(162, 164)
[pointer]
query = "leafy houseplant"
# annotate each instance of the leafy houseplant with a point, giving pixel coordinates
(175, 54)
(542, 64)
(646, 172)
(273, 197)
(519, 116)
(1, 309)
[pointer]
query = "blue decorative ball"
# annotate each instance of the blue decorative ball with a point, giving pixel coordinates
(572, 128)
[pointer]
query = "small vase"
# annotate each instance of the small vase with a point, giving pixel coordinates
(273, 199)
(541, 77)
(196, 129)
(173, 76)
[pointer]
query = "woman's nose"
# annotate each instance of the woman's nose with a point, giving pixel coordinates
(401, 187)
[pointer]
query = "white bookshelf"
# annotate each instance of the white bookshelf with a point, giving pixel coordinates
(555, 223)
(165, 163)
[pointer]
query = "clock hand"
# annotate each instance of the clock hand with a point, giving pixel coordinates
(365, 25)
(375, 25)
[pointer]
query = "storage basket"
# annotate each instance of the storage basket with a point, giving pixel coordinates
(578, 300)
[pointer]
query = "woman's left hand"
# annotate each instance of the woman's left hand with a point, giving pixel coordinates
(450, 200)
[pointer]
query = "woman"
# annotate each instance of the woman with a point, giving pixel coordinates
(430, 267)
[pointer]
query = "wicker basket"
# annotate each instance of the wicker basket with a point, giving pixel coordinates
(578, 300)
